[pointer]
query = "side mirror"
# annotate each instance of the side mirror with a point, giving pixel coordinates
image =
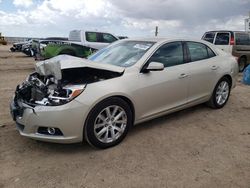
(154, 66)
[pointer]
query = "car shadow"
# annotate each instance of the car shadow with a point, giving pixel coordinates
(64, 148)
(166, 120)
(134, 131)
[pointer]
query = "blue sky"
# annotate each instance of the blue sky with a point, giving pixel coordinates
(7, 6)
(10, 7)
(133, 18)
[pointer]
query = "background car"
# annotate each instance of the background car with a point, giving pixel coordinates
(80, 43)
(131, 81)
(17, 47)
(236, 43)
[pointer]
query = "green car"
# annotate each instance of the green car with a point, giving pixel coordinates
(80, 44)
(49, 49)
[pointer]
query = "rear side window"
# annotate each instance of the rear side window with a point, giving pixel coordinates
(222, 39)
(169, 54)
(107, 38)
(100, 37)
(242, 39)
(209, 37)
(199, 51)
(91, 36)
(210, 53)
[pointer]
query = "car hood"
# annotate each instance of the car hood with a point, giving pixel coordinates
(54, 65)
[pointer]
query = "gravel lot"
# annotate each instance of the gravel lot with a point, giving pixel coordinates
(197, 147)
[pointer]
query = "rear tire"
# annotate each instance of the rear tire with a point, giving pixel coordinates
(220, 94)
(242, 63)
(108, 123)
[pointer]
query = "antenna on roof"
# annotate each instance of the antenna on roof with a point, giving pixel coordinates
(156, 31)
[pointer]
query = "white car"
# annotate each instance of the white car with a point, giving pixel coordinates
(236, 43)
(70, 99)
(93, 39)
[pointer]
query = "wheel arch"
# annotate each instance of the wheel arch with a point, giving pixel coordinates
(125, 98)
(229, 77)
(243, 56)
(130, 103)
(211, 102)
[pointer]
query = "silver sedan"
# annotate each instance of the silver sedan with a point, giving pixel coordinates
(69, 99)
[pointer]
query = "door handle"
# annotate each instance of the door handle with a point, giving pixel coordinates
(214, 67)
(183, 75)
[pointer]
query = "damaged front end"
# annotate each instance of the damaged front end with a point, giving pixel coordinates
(59, 80)
(46, 90)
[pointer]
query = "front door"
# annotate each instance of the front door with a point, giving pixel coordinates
(159, 91)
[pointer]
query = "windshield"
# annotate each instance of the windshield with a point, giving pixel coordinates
(123, 54)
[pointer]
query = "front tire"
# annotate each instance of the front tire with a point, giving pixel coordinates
(108, 123)
(220, 94)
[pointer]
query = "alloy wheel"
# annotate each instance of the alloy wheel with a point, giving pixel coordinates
(222, 93)
(110, 124)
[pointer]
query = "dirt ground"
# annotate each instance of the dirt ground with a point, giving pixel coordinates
(197, 147)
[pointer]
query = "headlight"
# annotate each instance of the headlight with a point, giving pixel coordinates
(67, 94)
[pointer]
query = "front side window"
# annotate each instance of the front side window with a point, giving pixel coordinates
(209, 37)
(91, 36)
(199, 51)
(169, 54)
(123, 54)
(222, 39)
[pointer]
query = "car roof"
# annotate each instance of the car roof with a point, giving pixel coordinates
(226, 31)
(162, 39)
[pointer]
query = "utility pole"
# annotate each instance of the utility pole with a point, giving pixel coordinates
(156, 31)
(247, 23)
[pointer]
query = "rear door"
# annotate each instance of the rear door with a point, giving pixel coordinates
(202, 71)
(222, 41)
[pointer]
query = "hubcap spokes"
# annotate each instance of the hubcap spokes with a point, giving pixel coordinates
(222, 93)
(110, 124)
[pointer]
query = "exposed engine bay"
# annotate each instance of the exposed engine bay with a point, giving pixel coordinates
(46, 90)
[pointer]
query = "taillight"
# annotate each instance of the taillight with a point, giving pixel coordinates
(232, 41)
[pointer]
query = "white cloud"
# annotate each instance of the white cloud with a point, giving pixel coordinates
(23, 3)
(229, 23)
(11, 19)
(149, 23)
(178, 18)
(59, 17)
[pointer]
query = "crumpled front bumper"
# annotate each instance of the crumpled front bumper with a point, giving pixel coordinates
(69, 118)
